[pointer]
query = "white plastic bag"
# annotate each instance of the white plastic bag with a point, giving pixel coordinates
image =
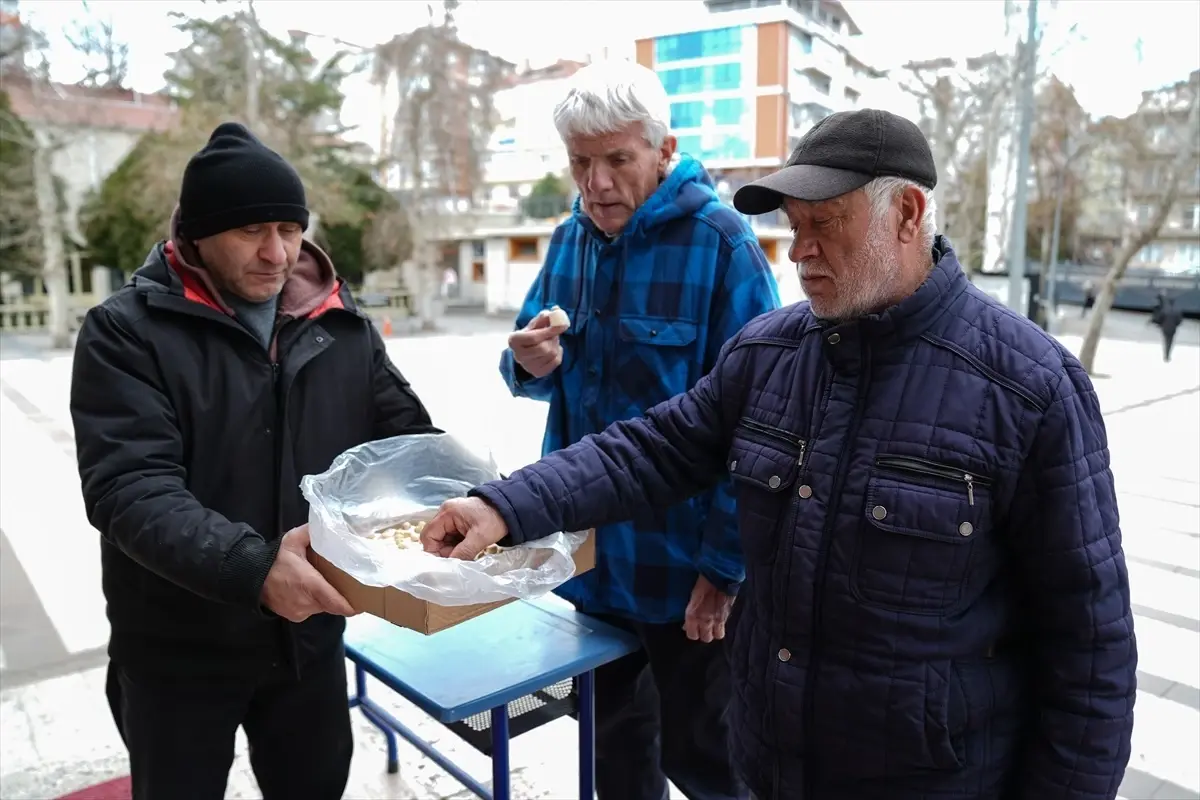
(379, 484)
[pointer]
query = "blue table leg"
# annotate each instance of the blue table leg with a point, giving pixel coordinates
(501, 779)
(360, 700)
(587, 735)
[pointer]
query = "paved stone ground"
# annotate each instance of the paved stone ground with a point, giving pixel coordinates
(55, 731)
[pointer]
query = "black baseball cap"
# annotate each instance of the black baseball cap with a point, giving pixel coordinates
(841, 153)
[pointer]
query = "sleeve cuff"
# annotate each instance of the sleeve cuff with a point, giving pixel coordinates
(724, 583)
(245, 569)
(520, 374)
(498, 501)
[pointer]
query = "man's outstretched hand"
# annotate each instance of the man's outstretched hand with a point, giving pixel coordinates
(462, 528)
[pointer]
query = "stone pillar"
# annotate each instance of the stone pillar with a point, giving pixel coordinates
(101, 284)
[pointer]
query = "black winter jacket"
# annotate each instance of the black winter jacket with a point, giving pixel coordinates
(192, 440)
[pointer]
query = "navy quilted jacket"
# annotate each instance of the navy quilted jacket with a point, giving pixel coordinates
(936, 603)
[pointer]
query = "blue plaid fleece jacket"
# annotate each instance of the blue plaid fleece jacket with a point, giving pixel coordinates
(650, 311)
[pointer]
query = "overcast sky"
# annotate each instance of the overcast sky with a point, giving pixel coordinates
(1116, 49)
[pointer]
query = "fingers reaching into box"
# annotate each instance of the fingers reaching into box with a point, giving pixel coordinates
(463, 528)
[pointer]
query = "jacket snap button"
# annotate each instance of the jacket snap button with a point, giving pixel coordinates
(320, 339)
(834, 338)
(878, 512)
(966, 529)
(733, 466)
(805, 491)
(774, 482)
(653, 333)
(785, 655)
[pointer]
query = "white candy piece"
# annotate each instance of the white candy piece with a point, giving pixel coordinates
(559, 318)
(405, 536)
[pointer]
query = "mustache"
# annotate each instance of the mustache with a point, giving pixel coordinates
(814, 269)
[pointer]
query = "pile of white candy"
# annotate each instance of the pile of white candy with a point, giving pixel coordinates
(407, 536)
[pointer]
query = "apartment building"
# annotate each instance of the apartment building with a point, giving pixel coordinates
(751, 77)
(525, 145)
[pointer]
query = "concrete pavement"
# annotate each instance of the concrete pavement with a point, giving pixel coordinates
(55, 731)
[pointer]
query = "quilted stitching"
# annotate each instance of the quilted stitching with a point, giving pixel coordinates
(896, 658)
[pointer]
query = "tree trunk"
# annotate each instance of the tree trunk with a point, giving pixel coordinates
(1039, 308)
(54, 260)
(1135, 242)
(422, 279)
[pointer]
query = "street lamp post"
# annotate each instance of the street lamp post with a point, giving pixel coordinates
(1073, 149)
(1016, 239)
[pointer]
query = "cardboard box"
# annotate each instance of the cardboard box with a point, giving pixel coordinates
(401, 608)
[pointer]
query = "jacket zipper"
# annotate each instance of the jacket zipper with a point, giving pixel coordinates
(777, 435)
(920, 466)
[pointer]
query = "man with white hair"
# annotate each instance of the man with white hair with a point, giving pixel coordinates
(936, 602)
(648, 278)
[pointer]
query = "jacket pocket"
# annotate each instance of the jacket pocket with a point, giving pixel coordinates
(764, 462)
(655, 359)
(922, 523)
(658, 331)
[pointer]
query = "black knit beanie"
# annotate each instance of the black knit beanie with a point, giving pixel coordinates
(236, 180)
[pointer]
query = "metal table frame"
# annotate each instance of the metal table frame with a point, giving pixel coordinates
(501, 768)
(529, 646)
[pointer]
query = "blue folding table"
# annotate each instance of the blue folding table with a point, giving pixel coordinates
(528, 654)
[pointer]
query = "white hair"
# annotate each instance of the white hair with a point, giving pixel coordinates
(609, 96)
(882, 192)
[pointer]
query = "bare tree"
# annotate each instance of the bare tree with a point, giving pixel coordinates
(1058, 148)
(1156, 146)
(437, 144)
(956, 99)
(1059, 131)
(106, 57)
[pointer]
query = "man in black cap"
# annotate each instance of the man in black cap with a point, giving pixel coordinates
(232, 364)
(936, 602)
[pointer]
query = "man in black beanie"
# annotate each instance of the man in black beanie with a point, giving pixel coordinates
(232, 364)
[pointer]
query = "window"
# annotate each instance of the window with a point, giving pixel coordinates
(699, 44)
(1188, 258)
(805, 115)
(727, 76)
(802, 42)
(852, 96)
(1150, 254)
(699, 114)
(730, 147)
(478, 249)
(687, 115)
(692, 80)
(1190, 217)
(729, 111)
(522, 249)
(714, 146)
(770, 248)
(821, 84)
